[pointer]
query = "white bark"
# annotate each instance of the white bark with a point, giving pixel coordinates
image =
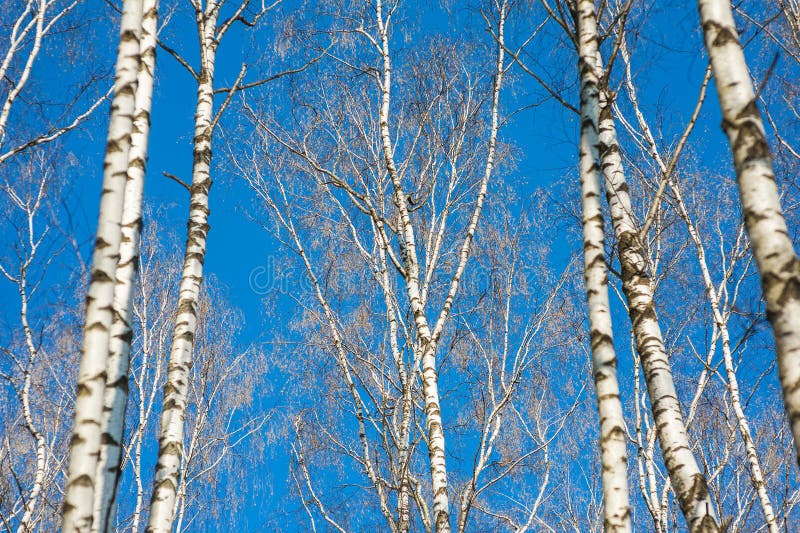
(719, 316)
(37, 20)
(613, 440)
(756, 473)
(430, 387)
(428, 340)
(30, 205)
(690, 485)
(766, 226)
(116, 395)
(171, 436)
(406, 384)
(153, 314)
(86, 433)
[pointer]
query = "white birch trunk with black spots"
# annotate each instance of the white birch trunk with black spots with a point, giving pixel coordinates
(116, 395)
(430, 387)
(170, 441)
(428, 339)
(613, 440)
(756, 472)
(690, 485)
(86, 432)
(763, 216)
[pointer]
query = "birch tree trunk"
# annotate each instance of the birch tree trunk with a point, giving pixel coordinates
(428, 339)
(430, 387)
(772, 246)
(719, 314)
(756, 473)
(170, 442)
(86, 433)
(30, 206)
(690, 485)
(616, 508)
(116, 394)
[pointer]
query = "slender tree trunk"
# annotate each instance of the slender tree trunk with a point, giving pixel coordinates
(430, 386)
(86, 431)
(616, 506)
(428, 340)
(16, 88)
(116, 394)
(758, 191)
(690, 485)
(146, 397)
(721, 321)
(404, 433)
(756, 474)
(26, 523)
(170, 441)
(341, 351)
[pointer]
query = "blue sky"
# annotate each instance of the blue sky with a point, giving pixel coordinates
(669, 67)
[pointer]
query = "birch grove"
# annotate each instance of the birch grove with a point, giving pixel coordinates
(455, 283)
(689, 483)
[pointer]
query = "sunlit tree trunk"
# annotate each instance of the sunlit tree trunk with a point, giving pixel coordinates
(171, 437)
(772, 246)
(690, 485)
(116, 395)
(430, 387)
(718, 313)
(86, 432)
(756, 473)
(406, 383)
(429, 338)
(31, 207)
(616, 506)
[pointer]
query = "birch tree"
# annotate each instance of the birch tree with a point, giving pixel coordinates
(763, 215)
(85, 444)
(33, 354)
(690, 485)
(165, 482)
(116, 390)
(429, 338)
(211, 29)
(30, 205)
(666, 169)
(609, 407)
(422, 231)
(153, 321)
(327, 195)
